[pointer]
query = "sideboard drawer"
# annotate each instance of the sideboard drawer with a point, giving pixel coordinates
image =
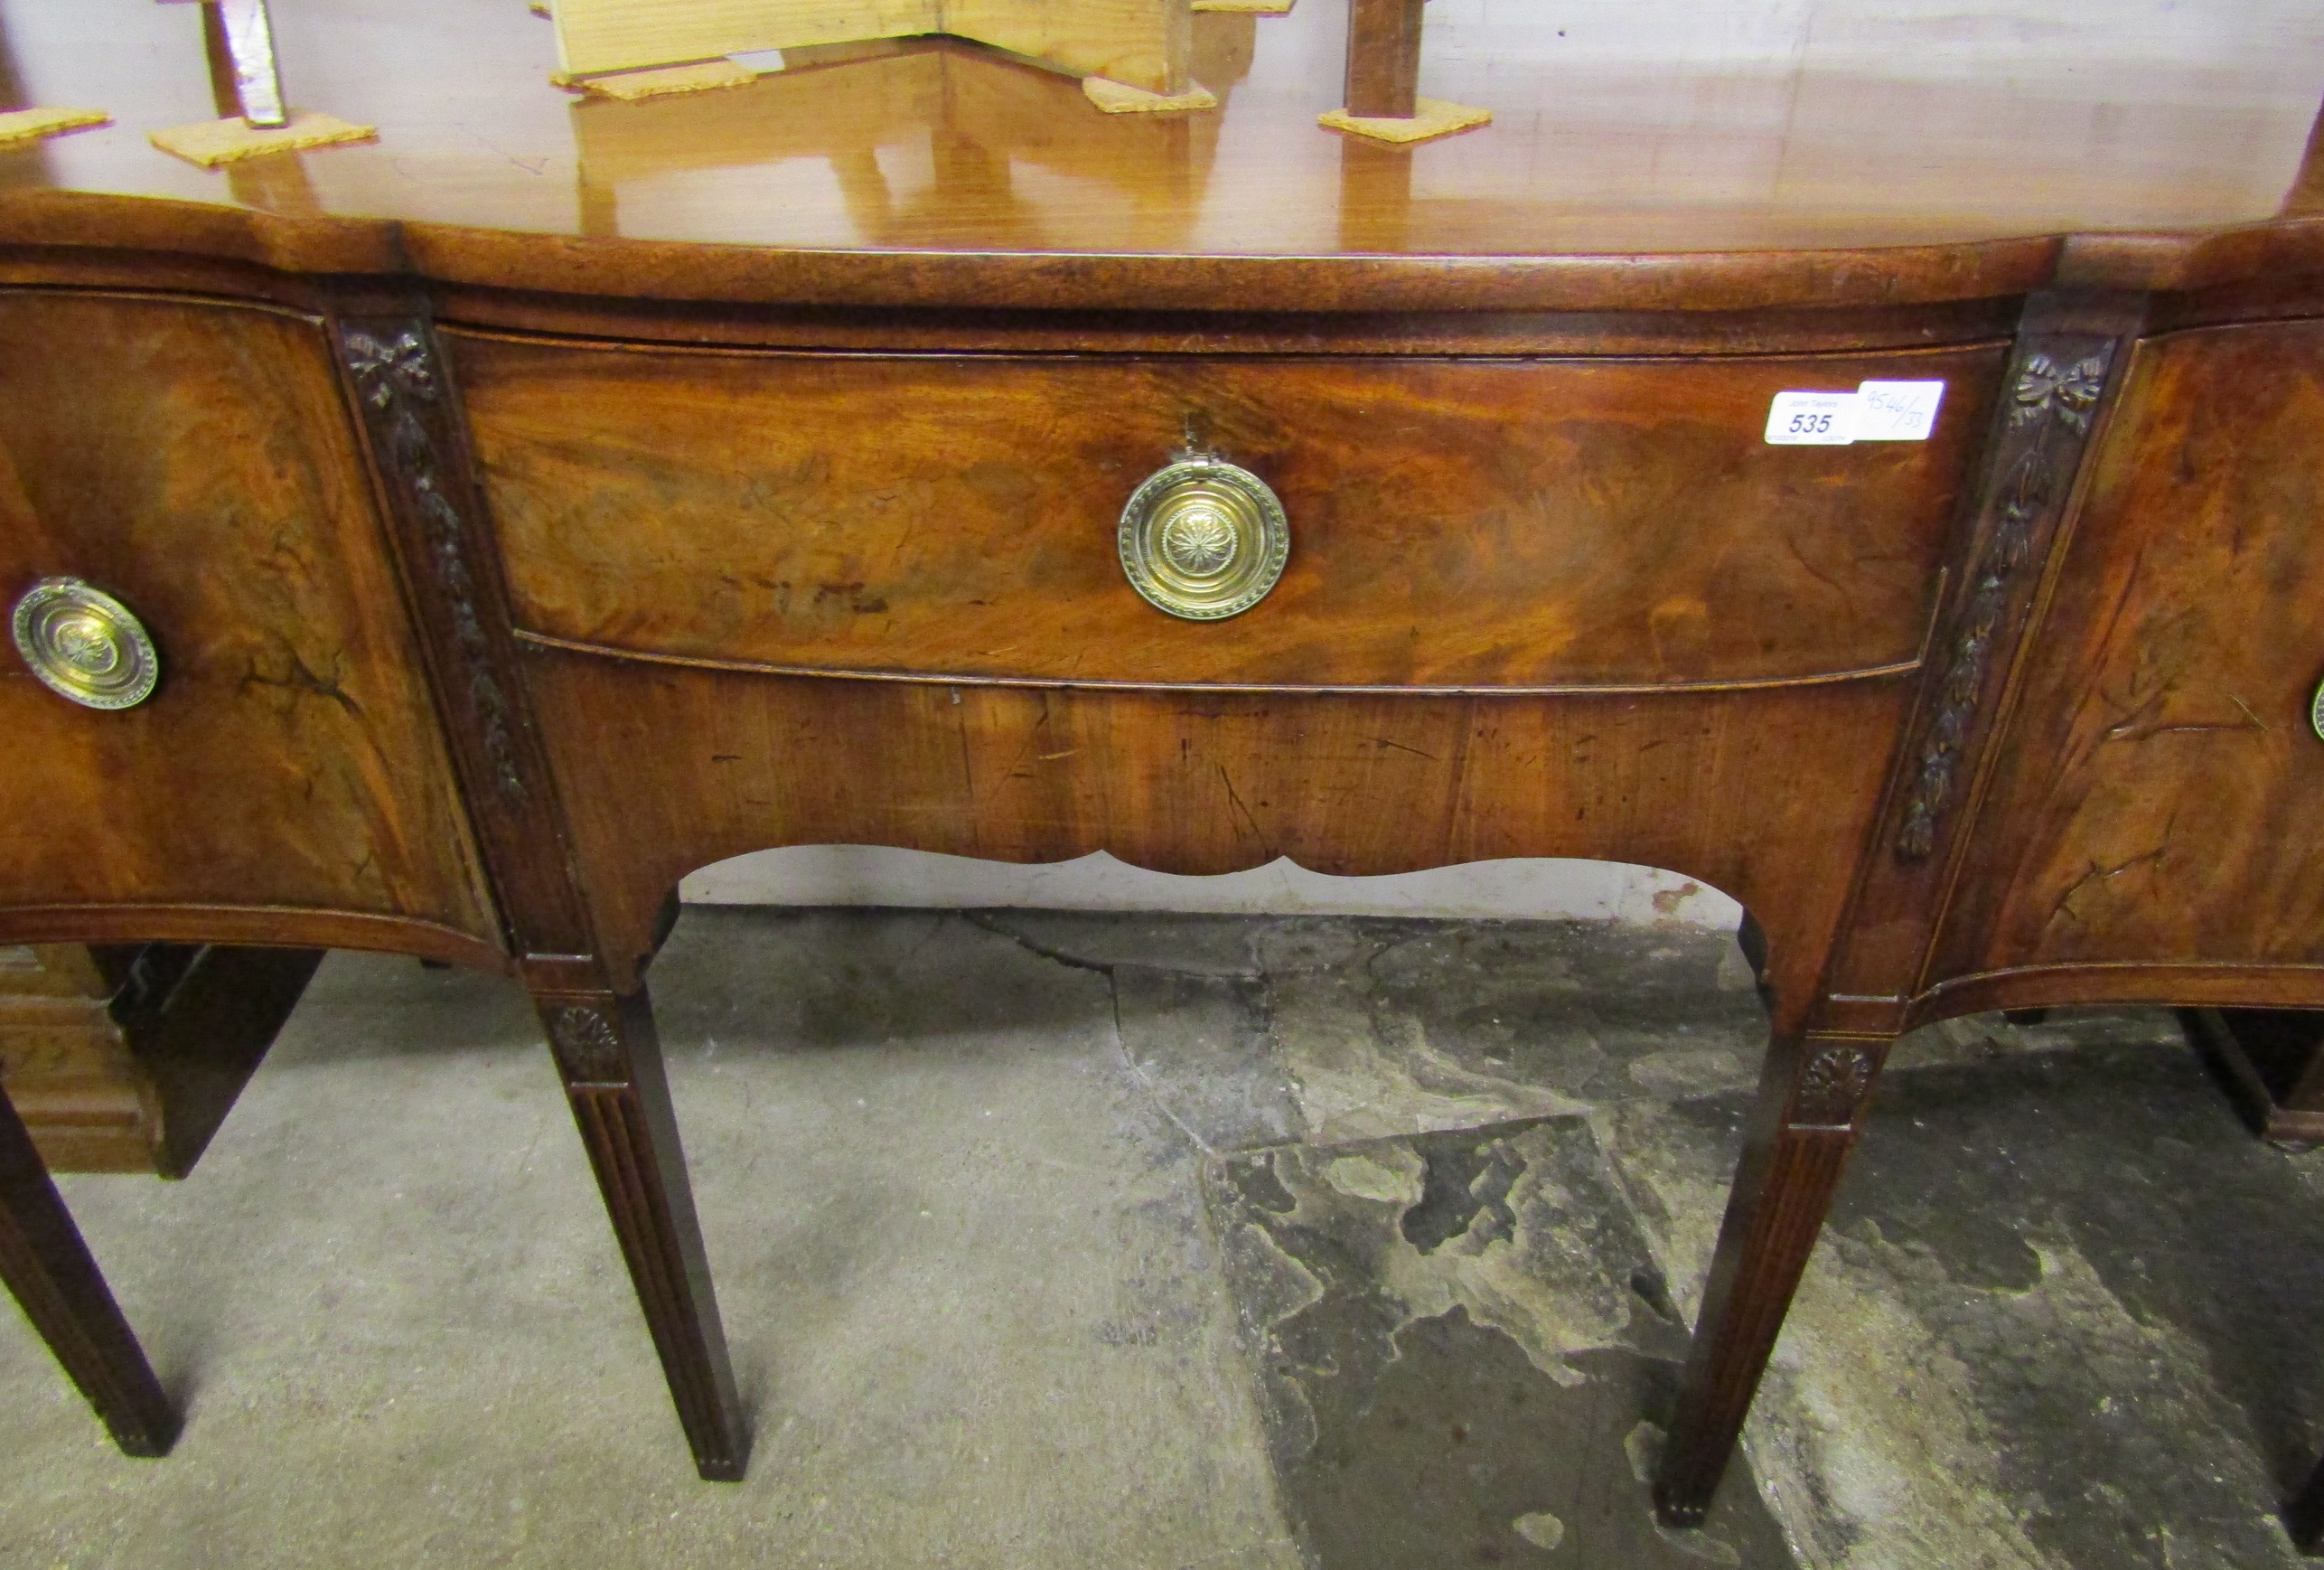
(1454, 524)
(195, 461)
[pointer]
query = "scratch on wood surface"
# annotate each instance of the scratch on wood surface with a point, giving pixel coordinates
(967, 772)
(1232, 796)
(2097, 874)
(1415, 752)
(2130, 731)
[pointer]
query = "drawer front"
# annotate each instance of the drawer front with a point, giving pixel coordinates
(195, 461)
(2157, 798)
(1463, 524)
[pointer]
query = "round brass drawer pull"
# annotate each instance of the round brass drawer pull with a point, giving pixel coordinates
(1203, 539)
(84, 644)
(2316, 712)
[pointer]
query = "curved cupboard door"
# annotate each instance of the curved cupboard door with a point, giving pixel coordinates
(286, 780)
(2157, 800)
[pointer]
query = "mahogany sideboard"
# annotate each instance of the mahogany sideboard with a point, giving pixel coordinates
(554, 497)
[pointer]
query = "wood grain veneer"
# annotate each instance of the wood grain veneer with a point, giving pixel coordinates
(195, 459)
(2157, 799)
(1550, 524)
(664, 769)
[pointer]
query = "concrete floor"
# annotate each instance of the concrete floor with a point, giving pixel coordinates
(1052, 1240)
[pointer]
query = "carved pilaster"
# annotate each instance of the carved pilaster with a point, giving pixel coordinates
(398, 383)
(2055, 387)
(2072, 354)
(404, 393)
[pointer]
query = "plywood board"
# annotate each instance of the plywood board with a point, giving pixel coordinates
(1143, 44)
(662, 82)
(597, 35)
(1429, 117)
(1115, 99)
(211, 143)
(29, 125)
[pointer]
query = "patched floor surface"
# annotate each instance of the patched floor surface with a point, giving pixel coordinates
(1049, 1240)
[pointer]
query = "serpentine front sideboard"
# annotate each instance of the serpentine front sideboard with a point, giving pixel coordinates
(463, 537)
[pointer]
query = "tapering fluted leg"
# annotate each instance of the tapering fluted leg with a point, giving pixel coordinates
(48, 1269)
(611, 1060)
(1812, 1097)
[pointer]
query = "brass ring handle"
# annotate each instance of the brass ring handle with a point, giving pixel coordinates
(1203, 540)
(84, 645)
(2316, 712)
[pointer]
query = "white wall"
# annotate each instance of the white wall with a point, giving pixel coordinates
(1537, 888)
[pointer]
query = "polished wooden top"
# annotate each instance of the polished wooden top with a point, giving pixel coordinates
(1659, 126)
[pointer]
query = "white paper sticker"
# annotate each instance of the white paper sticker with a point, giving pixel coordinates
(1811, 419)
(1896, 411)
(1877, 411)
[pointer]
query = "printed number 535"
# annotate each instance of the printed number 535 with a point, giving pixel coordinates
(1806, 424)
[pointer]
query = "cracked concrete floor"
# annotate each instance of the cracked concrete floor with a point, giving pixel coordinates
(1050, 1240)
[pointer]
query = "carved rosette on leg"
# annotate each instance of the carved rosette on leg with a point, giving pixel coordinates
(588, 1043)
(1830, 1089)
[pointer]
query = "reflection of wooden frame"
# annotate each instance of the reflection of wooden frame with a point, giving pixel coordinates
(1140, 43)
(1384, 78)
(984, 119)
(126, 1058)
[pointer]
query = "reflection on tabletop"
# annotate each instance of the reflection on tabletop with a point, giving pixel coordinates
(1671, 124)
